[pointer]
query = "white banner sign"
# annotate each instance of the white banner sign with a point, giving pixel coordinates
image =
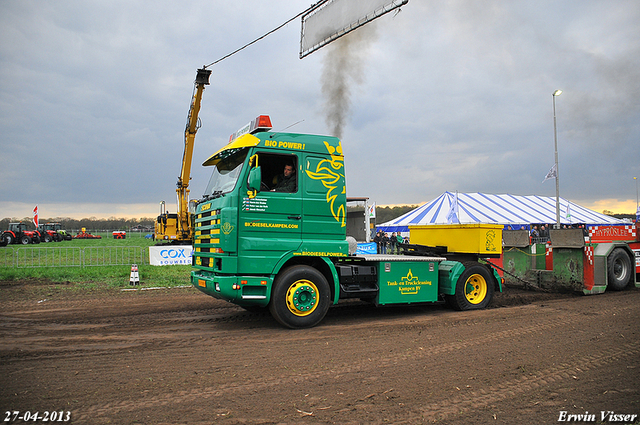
(334, 18)
(170, 255)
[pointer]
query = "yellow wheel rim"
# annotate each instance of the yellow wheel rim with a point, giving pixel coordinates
(302, 297)
(475, 289)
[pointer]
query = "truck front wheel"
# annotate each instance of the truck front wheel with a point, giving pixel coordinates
(474, 289)
(618, 269)
(300, 297)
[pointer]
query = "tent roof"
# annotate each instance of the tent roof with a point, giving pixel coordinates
(497, 209)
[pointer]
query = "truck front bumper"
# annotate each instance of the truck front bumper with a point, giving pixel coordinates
(241, 290)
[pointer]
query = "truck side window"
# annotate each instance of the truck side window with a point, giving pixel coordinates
(279, 172)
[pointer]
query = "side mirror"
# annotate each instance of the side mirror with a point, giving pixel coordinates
(254, 181)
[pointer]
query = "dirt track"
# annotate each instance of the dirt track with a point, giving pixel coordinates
(179, 357)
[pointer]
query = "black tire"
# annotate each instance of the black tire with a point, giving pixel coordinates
(46, 238)
(474, 289)
(300, 297)
(57, 237)
(25, 240)
(4, 241)
(35, 240)
(619, 271)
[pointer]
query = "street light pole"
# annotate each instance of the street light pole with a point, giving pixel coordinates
(636, 179)
(555, 142)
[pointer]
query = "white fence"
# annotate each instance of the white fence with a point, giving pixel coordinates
(31, 257)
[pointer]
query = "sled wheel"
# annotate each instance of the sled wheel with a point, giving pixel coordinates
(618, 269)
(474, 289)
(300, 297)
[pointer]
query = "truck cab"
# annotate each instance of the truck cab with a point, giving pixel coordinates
(250, 225)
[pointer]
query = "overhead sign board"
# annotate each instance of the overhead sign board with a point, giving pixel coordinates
(332, 19)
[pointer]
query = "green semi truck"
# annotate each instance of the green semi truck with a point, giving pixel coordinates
(270, 233)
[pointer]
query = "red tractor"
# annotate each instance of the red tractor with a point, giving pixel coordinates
(47, 233)
(18, 233)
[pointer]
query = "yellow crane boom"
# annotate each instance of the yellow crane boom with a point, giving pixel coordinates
(177, 228)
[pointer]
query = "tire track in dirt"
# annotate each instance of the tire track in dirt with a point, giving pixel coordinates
(26, 339)
(479, 399)
(546, 323)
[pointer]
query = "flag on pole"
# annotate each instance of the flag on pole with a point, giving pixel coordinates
(552, 174)
(372, 211)
(35, 216)
(638, 215)
(452, 215)
(568, 212)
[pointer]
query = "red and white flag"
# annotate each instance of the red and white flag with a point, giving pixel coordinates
(35, 216)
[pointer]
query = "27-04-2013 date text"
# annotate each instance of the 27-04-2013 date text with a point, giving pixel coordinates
(46, 416)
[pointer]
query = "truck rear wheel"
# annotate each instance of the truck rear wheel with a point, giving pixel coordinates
(618, 269)
(474, 289)
(300, 297)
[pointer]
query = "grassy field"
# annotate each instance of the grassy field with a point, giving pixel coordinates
(94, 277)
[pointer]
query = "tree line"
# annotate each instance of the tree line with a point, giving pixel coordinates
(91, 223)
(383, 214)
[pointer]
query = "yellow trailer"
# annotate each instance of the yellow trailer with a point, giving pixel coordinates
(485, 240)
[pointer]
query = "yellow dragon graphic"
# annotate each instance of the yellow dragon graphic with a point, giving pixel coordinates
(331, 174)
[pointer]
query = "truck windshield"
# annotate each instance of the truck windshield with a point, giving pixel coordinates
(225, 174)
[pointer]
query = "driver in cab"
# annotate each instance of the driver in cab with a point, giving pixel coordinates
(286, 181)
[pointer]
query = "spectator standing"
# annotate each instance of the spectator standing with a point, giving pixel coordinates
(399, 241)
(535, 234)
(544, 233)
(585, 233)
(383, 243)
(392, 243)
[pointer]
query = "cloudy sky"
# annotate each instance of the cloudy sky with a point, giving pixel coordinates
(443, 96)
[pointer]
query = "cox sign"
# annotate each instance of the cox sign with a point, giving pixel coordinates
(170, 255)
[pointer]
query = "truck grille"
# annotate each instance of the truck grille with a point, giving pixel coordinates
(206, 239)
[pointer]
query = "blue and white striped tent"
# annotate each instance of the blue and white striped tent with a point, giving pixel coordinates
(510, 210)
